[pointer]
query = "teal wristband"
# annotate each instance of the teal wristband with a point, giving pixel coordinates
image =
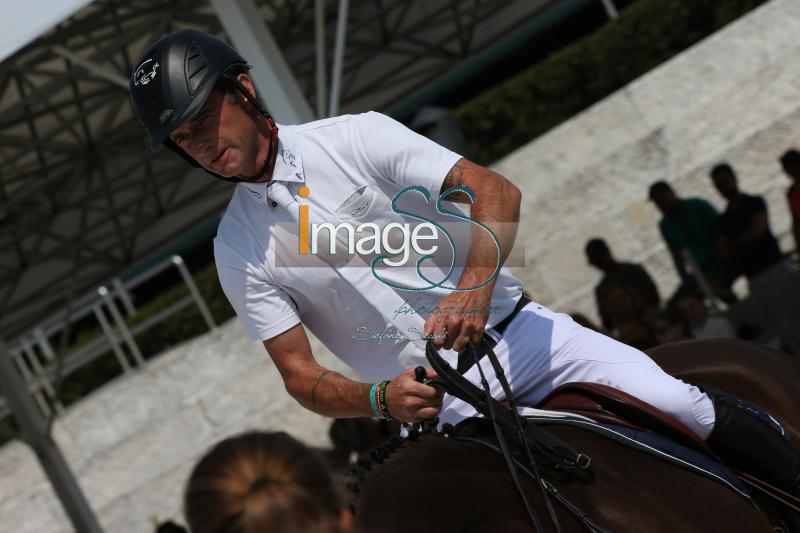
(372, 400)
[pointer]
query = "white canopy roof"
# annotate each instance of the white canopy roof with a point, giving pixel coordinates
(29, 20)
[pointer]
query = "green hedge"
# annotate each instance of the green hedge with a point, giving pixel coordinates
(646, 34)
(183, 325)
(186, 323)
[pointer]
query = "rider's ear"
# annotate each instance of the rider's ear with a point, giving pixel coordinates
(247, 83)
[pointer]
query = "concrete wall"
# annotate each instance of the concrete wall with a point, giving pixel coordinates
(734, 96)
(731, 97)
(133, 443)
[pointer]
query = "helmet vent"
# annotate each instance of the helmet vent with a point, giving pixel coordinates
(196, 68)
(198, 71)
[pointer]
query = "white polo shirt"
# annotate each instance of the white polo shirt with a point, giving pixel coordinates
(353, 165)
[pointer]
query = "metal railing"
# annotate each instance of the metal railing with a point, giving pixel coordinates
(109, 304)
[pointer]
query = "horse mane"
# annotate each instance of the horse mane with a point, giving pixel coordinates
(362, 468)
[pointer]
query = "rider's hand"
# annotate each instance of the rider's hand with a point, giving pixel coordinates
(458, 318)
(411, 401)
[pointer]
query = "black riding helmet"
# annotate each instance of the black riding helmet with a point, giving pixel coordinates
(173, 79)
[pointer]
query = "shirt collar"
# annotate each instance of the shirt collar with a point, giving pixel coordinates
(288, 164)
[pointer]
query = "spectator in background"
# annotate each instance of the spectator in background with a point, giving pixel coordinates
(670, 326)
(170, 527)
(790, 161)
(260, 483)
(691, 224)
(744, 234)
(629, 276)
(702, 325)
(626, 313)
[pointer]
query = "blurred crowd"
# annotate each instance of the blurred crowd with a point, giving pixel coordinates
(710, 251)
(263, 482)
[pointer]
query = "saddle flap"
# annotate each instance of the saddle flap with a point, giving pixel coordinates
(609, 405)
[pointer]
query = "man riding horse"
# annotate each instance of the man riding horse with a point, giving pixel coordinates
(194, 95)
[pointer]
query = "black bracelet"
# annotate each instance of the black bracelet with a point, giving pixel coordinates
(382, 400)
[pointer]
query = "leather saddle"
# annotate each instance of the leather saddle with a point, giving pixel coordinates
(608, 405)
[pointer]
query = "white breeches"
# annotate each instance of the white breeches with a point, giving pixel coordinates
(541, 350)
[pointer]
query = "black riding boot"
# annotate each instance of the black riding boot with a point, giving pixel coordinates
(747, 441)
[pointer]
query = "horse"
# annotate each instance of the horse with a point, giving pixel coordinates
(759, 374)
(430, 482)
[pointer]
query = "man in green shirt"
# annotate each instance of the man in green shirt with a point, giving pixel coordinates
(691, 224)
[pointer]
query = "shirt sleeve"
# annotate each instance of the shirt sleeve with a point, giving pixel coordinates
(671, 235)
(264, 309)
(709, 212)
(401, 155)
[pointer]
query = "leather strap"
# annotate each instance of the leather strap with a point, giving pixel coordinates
(553, 450)
(465, 362)
(508, 423)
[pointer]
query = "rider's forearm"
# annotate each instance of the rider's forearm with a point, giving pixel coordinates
(328, 393)
(496, 206)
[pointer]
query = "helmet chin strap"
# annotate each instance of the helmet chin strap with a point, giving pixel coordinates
(272, 152)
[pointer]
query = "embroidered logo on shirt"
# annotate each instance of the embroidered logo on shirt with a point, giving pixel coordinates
(288, 157)
(359, 209)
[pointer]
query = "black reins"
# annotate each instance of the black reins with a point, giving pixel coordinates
(537, 443)
(506, 453)
(551, 449)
